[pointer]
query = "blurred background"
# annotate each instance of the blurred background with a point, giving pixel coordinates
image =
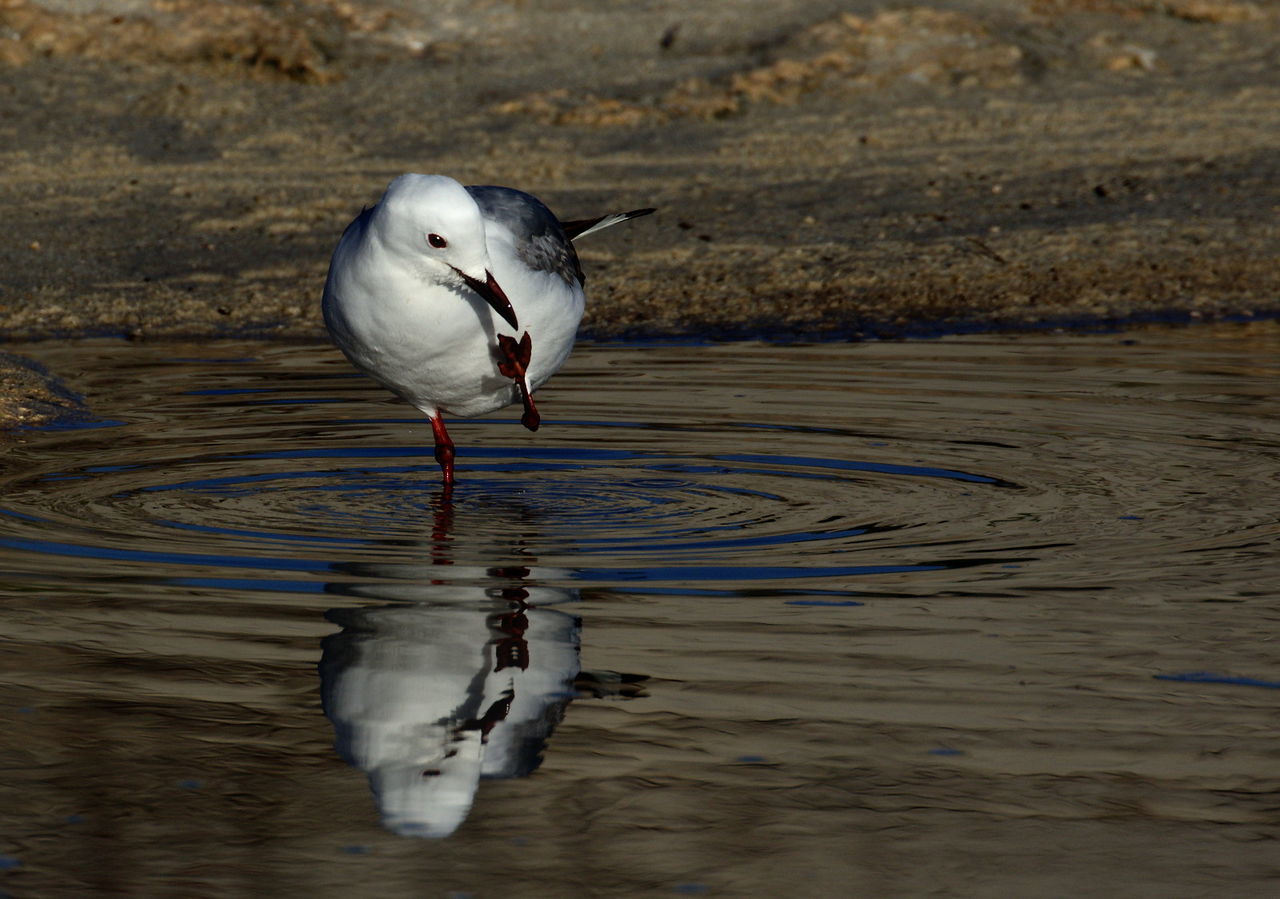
(184, 167)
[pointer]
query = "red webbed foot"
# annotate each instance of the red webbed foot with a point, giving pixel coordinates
(514, 362)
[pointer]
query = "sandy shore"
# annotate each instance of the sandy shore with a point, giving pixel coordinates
(185, 168)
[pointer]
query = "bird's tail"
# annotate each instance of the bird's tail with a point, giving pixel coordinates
(582, 227)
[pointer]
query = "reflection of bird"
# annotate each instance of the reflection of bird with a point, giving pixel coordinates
(428, 698)
(429, 292)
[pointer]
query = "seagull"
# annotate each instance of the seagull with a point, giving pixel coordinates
(460, 300)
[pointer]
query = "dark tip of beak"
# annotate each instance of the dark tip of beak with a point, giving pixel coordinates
(492, 294)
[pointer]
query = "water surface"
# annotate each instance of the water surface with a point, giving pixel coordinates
(971, 615)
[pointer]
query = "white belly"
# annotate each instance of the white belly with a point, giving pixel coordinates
(437, 347)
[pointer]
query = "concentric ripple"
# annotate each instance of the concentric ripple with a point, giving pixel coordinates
(750, 602)
(731, 469)
(608, 514)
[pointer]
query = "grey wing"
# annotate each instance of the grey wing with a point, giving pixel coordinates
(540, 239)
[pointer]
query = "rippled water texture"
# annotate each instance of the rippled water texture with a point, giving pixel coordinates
(972, 616)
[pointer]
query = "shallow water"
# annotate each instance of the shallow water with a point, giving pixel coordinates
(964, 616)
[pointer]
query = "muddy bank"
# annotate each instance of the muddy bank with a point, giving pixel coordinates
(185, 168)
(30, 395)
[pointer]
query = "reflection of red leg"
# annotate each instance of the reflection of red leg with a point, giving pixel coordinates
(515, 360)
(442, 528)
(444, 449)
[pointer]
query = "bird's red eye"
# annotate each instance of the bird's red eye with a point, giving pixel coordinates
(437, 241)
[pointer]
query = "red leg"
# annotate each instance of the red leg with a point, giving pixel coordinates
(444, 450)
(515, 359)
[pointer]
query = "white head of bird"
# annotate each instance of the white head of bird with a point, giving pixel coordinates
(433, 224)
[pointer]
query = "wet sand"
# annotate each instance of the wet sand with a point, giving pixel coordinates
(184, 169)
(188, 172)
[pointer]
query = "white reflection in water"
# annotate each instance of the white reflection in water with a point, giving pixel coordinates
(964, 609)
(428, 698)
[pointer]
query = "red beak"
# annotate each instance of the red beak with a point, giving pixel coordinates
(492, 294)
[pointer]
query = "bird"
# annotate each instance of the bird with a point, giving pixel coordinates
(459, 299)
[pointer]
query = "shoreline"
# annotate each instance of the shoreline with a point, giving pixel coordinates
(744, 332)
(33, 397)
